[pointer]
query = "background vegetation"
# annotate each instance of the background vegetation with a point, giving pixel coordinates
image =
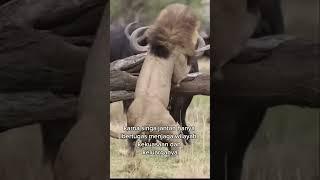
(145, 11)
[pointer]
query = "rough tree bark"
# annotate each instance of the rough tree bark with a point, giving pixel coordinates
(31, 60)
(29, 57)
(45, 14)
(288, 75)
(25, 108)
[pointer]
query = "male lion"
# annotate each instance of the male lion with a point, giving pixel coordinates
(172, 40)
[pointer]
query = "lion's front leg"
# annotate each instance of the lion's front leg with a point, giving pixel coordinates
(175, 144)
(180, 71)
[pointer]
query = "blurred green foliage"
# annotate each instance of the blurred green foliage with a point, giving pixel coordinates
(145, 11)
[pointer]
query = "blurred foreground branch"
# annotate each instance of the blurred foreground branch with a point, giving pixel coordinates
(41, 77)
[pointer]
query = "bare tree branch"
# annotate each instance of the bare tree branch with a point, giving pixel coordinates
(289, 75)
(128, 63)
(120, 95)
(123, 84)
(20, 109)
(43, 13)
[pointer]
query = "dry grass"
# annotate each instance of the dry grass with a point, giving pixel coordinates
(194, 160)
(282, 162)
(286, 146)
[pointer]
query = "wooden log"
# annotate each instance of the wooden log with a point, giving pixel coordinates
(289, 75)
(128, 63)
(3, 2)
(84, 24)
(25, 108)
(120, 80)
(31, 60)
(43, 13)
(120, 95)
(39, 61)
(86, 41)
(195, 84)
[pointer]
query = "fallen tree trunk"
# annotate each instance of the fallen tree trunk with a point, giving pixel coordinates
(44, 14)
(128, 63)
(120, 95)
(121, 80)
(32, 61)
(25, 108)
(289, 75)
(123, 84)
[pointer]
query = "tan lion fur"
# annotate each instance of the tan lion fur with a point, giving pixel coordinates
(175, 31)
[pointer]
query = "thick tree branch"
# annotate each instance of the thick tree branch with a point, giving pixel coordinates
(33, 60)
(289, 75)
(20, 109)
(128, 63)
(121, 80)
(195, 84)
(122, 85)
(44, 13)
(120, 95)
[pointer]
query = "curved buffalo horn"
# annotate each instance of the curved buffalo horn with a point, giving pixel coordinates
(134, 39)
(126, 30)
(201, 47)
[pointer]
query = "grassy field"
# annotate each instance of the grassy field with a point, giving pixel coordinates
(194, 159)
